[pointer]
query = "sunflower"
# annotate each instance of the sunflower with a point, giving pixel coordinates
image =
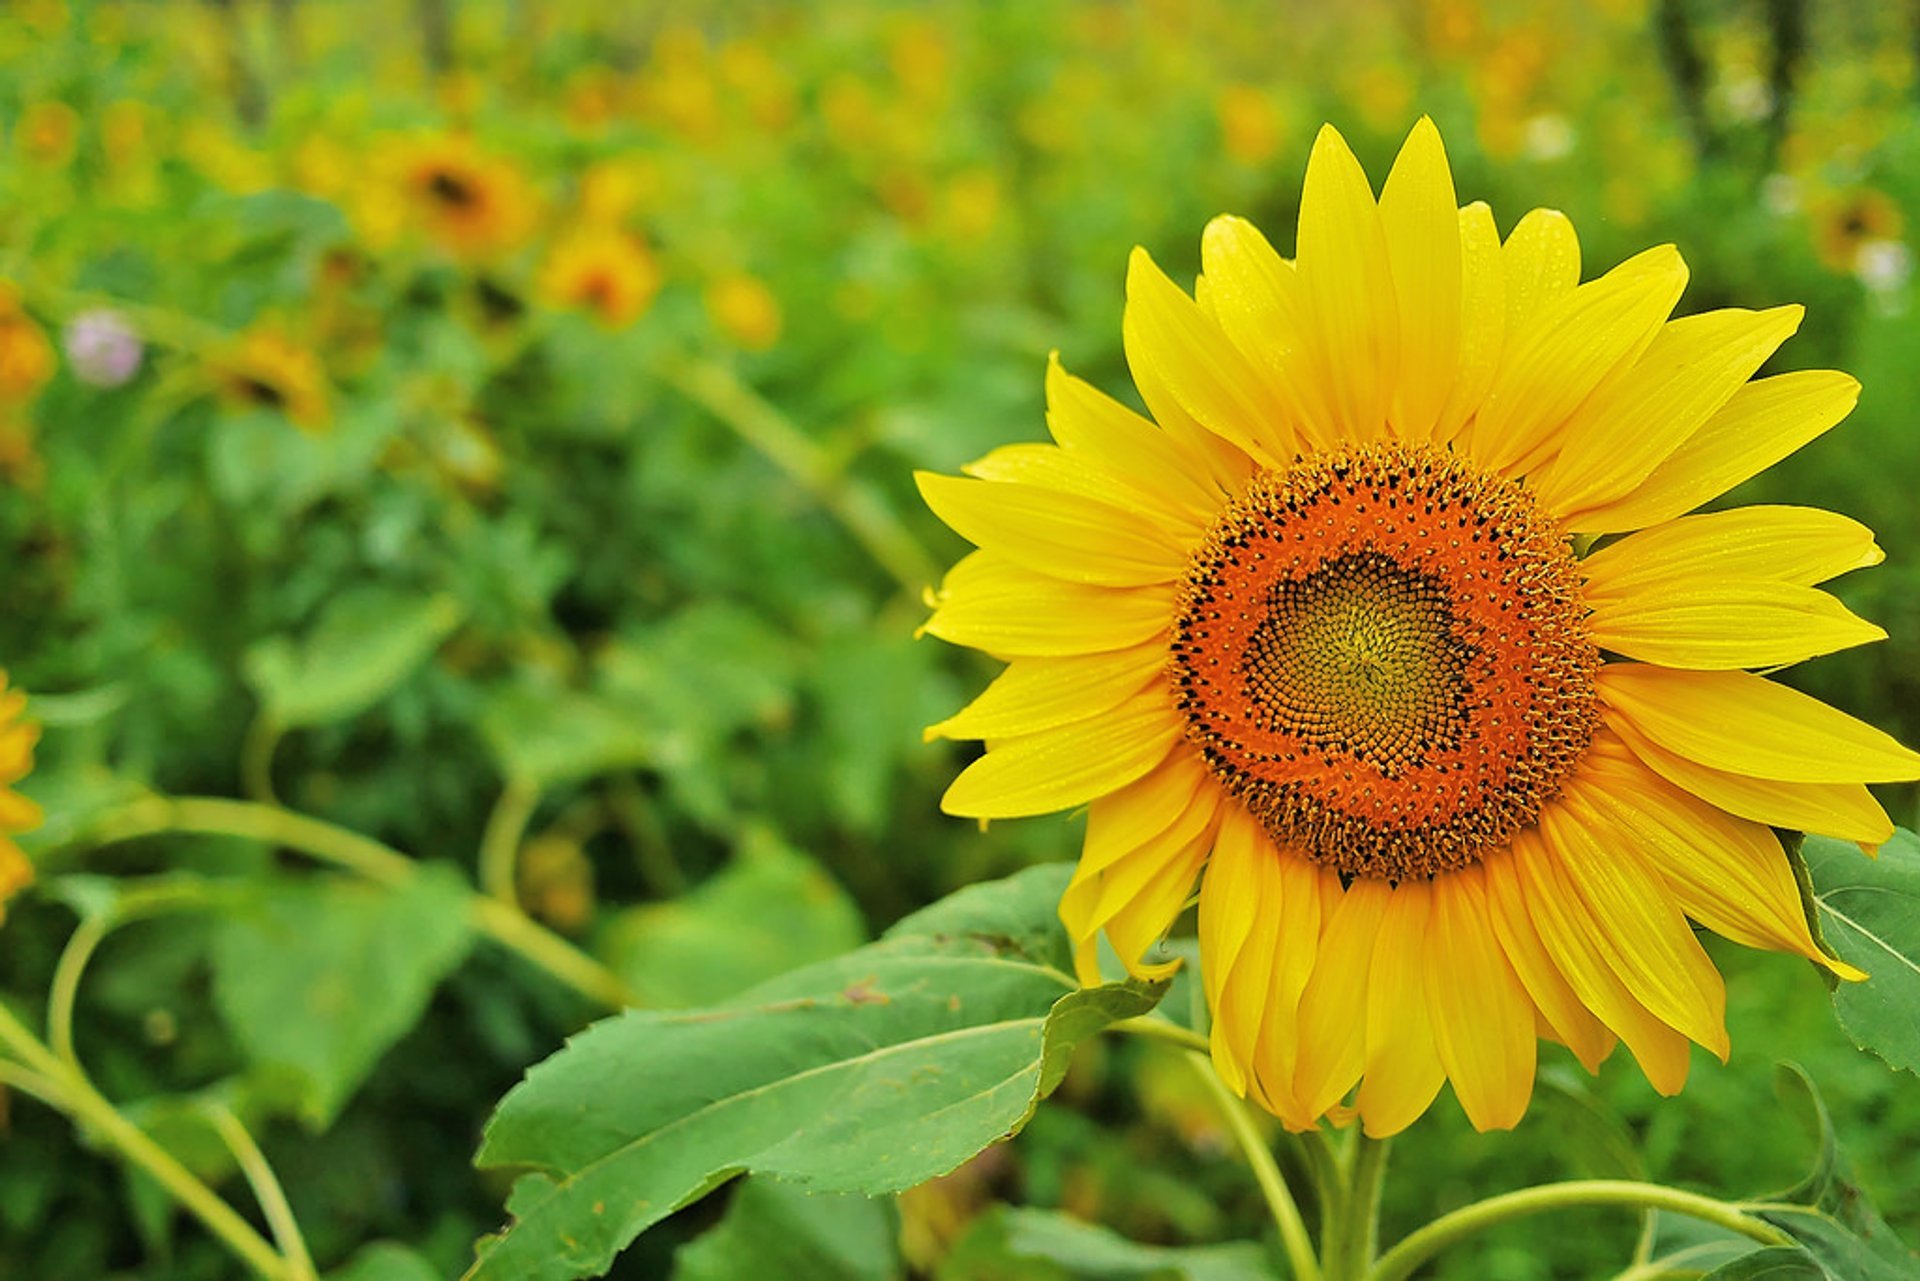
(17, 813)
(474, 204)
(1391, 627)
(603, 271)
(265, 369)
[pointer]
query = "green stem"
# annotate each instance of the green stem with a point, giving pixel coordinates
(503, 922)
(500, 843)
(1329, 1182)
(65, 992)
(266, 1190)
(1266, 1172)
(1416, 1248)
(1350, 1246)
(256, 758)
(1158, 1029)
(873, 525)
(75, 1095)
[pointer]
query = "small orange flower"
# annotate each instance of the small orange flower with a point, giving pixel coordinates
(17, 814)
(265, 369)
(603, 271)
(47, 133)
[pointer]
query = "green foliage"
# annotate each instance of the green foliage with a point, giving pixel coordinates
(775, 1229)
(316, 978)
(1870, 913)
(870, 1073)
(771, 911)
(366, 641)
(1041, 1245)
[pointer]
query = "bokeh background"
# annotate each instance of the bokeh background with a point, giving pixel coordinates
(403, 404)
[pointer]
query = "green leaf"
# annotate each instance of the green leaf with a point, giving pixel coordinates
(365, 643)
(1841, 1253)
(775, 1229)
(773, 910)
(869, 1073)
(317, 978)
(1870, 912)
(1775, 1263)
(385, 1261)
(1046, 1243)
(545, 736)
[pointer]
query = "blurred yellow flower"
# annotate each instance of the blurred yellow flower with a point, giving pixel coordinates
(471, 203)
(971, 204)
(614, 190)
(26, 357)
(556, 881)
(17, 814)
(592, 97)
(1845, 224)
(265, 369)
(1249, 124)
(760, 82)
(47, 133)
(123, 131)
(745, 310)
(226, 161)
(603, 271)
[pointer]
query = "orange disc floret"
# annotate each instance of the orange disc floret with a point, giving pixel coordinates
(1382, 653)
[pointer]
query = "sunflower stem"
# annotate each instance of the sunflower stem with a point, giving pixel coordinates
(61, 1087)
(1417, 1247)
(500, 843)
(1348, 1244)
(267, 1191)
(1266, 1171)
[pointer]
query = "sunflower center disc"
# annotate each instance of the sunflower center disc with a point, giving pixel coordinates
(1382, 653)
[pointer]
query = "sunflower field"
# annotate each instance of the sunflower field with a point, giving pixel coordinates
(509, 762)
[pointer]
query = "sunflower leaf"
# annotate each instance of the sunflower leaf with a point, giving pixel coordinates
(1870, 914)
(1089, 1252)
(872, 1072)
(365, 643)
(775, 1229)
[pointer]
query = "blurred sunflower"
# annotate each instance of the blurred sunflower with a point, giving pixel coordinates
(48, 131)
(265, 369)
(26, 356)
(473, 204)
(1324, 627)
(17, 814)
(1845, 225)
(603, 271)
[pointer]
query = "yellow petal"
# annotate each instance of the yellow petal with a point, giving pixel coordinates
(1482, 1018)
(1036, 694)
(1170, 342)
(1132, 887)
(1483, 318)
(1567, 930)
(1764, 422)
(1260, 918)
(1333, 1027)
(1403, 1072)
(1062, 768)
(1843, 810)
(1161, 876)
(1714, 624)
(1560, 1007)
(1169, 805)
(1541, 265)
(1419, 214)
(1063, 535)
(1726, 873)
(1638, 929)
(1256, 296)
(1691, 369)
(1087, 422)
(1050, 467)
(1800, 545)
(1745, 724)
(1346, 282)
(991, 604)
(1573, 345)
